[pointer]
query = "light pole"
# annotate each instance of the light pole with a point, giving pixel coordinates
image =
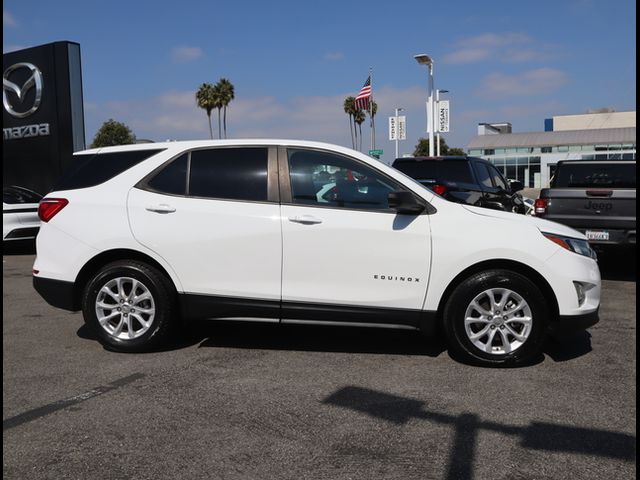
(438, 92)
(424, 59)
(397, 132)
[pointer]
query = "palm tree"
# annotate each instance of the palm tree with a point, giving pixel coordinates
(206, 99)
(350, 109)
(359, 118)
(217, 95)
(372, 113)
(227, 93)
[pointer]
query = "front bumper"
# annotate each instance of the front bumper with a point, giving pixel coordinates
(572, 323)
(57, 293)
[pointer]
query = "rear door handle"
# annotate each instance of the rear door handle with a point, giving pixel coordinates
(305, 219)
(162, 208)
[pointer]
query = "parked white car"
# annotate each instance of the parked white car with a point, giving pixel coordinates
(143, 235)
(19, 214)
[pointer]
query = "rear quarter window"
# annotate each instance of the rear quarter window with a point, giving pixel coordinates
(94, 169)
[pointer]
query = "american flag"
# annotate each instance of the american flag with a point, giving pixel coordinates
(362, 100)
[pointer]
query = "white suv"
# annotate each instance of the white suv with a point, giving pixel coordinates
(140, 236)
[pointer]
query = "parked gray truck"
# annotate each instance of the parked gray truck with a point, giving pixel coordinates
(595, 197)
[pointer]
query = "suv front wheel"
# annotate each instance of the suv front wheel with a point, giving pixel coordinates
(496, 317)
(129, 305)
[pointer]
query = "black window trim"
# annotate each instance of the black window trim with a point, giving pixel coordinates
(285, 183)
(273, 194)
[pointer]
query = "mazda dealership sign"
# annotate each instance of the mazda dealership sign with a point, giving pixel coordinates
(43, 115)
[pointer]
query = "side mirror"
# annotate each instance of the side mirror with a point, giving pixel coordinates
(405, 202)
(493, 205)
(516, 186)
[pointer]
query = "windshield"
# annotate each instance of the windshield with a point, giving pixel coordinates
(613, 175)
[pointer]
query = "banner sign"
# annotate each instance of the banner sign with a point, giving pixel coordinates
(443, 116)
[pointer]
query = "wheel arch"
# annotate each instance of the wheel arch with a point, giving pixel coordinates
(503, 264)
(104, 258)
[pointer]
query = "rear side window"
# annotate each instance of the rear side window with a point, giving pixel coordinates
(436, 171)
(229, 173)
(594, 175)
(97, 168)
(172, 179)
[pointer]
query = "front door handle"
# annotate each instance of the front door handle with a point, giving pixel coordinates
(305, 219)
(162, 208)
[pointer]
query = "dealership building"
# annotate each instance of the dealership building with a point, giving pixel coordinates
(532, 157)
(43, 114)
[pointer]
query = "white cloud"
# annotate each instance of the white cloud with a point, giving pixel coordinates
(506, 47)
(174, 114)
(186, 54)
(533, 82)
(538, 110)
(8, 20)
(334, 56)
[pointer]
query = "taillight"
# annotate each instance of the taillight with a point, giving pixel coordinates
(439, 189)
(540, 207)
(49, 208)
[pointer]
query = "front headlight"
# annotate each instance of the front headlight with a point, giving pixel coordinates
(581, 247)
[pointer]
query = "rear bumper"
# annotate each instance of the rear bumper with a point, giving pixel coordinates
(56, 293)
(27, 233)
(616, 237)
(572, 323)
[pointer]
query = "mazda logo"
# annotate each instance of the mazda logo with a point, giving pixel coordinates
(34, 80)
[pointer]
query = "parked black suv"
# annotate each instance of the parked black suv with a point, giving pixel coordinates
(469, 180)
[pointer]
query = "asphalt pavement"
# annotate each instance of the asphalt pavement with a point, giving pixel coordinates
(256, 401)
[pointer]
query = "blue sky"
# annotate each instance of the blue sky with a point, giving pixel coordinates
(294, 62)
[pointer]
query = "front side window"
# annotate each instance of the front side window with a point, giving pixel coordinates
(497, 179)
(326, 179)
(229, 173)
(483, 175)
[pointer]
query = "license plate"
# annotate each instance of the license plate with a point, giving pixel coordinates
(597, 235)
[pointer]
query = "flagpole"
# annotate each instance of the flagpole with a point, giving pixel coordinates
(373, 132)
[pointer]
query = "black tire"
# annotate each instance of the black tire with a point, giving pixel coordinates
(162, 300)
(455, 312)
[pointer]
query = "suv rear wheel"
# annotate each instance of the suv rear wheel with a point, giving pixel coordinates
(496, 317)
(129, 305)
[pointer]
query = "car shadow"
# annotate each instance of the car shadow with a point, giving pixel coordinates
(311, 338)
(618, 264)
(359, 340)
(568, 346)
